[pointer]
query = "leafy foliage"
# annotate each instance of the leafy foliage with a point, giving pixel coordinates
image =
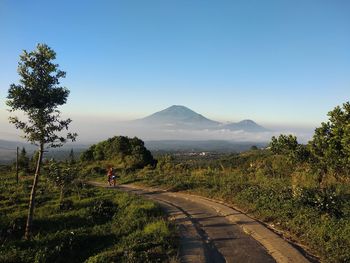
(328, 153)
(128, 152)
(38, 95)
(330, 145)
(283, 144)
(326, 200)
(288, 145)
(62, 176)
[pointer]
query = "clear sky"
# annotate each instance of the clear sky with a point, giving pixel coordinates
(276, 62)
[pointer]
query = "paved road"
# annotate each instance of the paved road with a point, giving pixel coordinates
(211, 231)
(205, 235)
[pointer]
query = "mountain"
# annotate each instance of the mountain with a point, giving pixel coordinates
(179, 117)
(245, 125)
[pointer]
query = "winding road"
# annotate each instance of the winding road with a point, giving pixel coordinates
(211, 231)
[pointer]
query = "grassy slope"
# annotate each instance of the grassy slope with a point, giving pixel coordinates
(273, 191)
(98, 225)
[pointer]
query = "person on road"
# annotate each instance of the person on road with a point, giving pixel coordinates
(114, 176)
(110, 176)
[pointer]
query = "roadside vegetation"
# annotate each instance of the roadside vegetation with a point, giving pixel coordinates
(84, 224)
(303, 190)
(272, 190)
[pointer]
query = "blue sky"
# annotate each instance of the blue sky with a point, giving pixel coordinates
(276, 62)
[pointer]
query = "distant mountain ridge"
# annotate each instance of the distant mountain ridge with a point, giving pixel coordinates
(181, 117)
(245, 125)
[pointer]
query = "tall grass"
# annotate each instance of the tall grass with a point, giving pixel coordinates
(98, 225)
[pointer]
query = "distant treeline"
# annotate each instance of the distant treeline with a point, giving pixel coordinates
(9, 156)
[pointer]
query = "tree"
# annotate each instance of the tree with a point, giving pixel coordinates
(38, 96)
(23, 160)
(283, 144)
(288, 145)
(254, 148)
(71, 157)
(62, 177)
(330, 145)
(129, 151)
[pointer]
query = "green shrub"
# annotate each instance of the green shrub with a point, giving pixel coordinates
(66, 205)
(325, 200)
(102, 210)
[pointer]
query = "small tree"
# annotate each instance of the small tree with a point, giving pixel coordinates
(71, 158)
(331, 143)
(254, 148)
(23, 160)
(62, 177)
(38, 96)
(283, 144)
(288, 145)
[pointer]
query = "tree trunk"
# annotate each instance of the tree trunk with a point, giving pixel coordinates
(32, 194)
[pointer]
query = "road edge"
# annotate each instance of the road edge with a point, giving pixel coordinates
(279, 248)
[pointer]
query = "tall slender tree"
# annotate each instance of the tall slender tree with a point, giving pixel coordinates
(38, 96)
(71, 158)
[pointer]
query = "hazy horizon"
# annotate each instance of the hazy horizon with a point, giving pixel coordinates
(92, 130)
(282, 64)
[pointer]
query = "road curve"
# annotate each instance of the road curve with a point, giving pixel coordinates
(213, 232)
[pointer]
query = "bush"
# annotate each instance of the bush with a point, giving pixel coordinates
(102, 210)
(325, 200)
(66, 205)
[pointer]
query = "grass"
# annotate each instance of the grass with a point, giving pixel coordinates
(96, 225)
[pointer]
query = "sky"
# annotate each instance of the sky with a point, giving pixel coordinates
(281, 63)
